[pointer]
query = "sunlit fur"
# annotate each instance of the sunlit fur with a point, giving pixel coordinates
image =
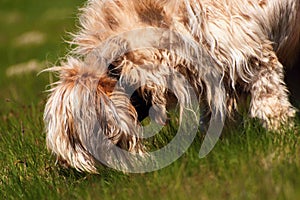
(217, 45)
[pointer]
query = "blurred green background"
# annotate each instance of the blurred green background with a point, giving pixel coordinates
(32, 35)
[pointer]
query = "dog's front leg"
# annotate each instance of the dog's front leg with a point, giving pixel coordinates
(269, 94)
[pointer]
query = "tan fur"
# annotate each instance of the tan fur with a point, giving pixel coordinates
(228, 42)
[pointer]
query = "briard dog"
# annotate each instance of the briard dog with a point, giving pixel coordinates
(135, 57)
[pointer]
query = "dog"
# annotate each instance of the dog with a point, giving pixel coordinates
(149, 47)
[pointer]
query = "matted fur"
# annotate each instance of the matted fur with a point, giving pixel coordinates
(233, 42)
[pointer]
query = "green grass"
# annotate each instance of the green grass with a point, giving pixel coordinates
(247, 162)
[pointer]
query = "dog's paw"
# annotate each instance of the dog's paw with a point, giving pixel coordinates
(283, 121)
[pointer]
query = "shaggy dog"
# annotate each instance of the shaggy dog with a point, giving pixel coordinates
(158, 50)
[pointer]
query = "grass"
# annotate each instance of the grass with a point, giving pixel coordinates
(247, 162)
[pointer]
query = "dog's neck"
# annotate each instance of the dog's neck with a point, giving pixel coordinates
(283, 28)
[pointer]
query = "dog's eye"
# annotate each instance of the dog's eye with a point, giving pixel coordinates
(114, 71)
(141, 105)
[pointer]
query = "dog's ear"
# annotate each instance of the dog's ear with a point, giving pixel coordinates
(65, 109)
